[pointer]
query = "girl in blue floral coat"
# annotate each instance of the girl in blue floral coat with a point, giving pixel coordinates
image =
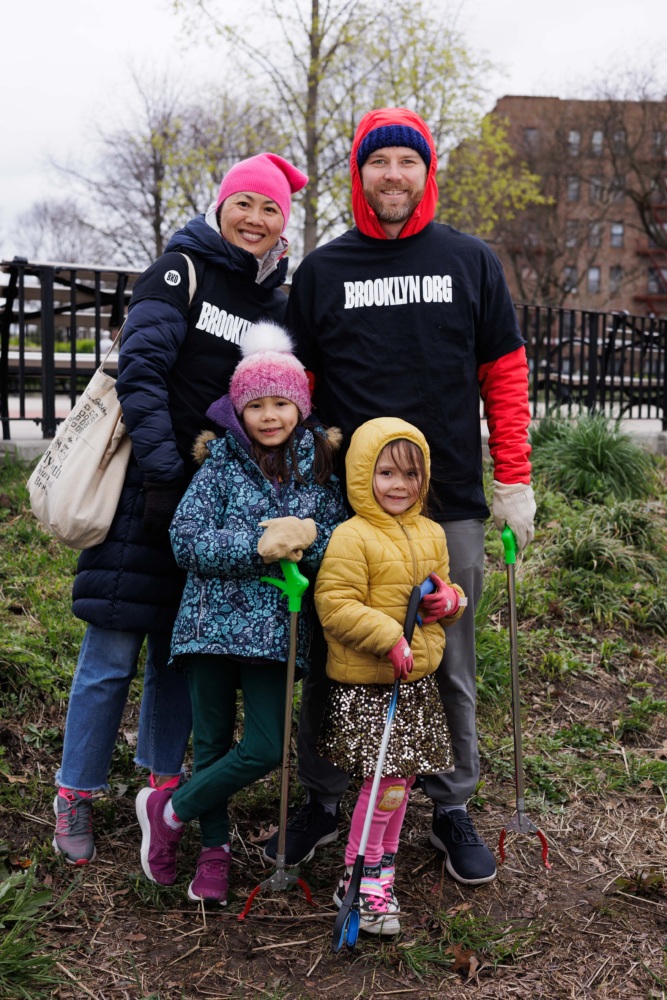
(265, 492)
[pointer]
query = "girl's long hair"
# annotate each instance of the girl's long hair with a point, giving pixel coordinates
(281, 463)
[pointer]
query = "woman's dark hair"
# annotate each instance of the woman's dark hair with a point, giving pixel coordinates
(281, 462)
(408, 457)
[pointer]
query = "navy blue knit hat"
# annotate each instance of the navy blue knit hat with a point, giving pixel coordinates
(393, 135)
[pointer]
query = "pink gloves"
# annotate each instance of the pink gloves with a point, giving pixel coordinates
(400, 657)
(442, 602)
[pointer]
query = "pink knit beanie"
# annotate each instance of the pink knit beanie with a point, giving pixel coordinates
(267, 174)
(269, 368)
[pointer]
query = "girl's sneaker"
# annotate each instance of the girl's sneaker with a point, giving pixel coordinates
(387, 874)
(73, 837)
(159, 842)
(374, 914)
(211, 882)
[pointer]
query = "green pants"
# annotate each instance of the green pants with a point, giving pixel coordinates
(220, 770)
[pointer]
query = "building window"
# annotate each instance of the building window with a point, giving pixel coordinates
(595, 189)
(531, 137)
(593, 280)
(594, 234)
(570, 279)
(616, 235)
(597, 142)
(573, 188)
(618, 140)
(571, 233)
(573, 142)
(617, 189)
(659, 143)
(653, 284)
(615, 279)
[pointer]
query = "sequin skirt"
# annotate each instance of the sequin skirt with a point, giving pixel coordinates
(354, 722)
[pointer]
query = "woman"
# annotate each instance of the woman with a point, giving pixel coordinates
(219, 275)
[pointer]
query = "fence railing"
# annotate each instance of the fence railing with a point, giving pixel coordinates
(56, 321)
(611, 363)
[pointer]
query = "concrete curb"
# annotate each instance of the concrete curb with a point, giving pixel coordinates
(25, 447)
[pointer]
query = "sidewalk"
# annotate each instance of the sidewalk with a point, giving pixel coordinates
(26, 443)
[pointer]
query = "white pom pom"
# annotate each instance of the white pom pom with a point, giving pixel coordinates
(266, 337)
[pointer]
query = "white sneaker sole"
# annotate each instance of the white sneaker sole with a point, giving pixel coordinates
(205, 899)
(142, 816)
(388, 924)
(448, 865)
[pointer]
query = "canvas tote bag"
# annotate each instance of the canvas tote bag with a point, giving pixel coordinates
(75, 488)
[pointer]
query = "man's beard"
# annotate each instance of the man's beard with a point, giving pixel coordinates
(393, 213)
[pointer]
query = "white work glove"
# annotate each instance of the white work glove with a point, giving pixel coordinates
(514, 505)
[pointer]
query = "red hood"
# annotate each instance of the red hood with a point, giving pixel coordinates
(364, 216)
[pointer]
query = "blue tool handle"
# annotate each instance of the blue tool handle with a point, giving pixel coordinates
(427, 587)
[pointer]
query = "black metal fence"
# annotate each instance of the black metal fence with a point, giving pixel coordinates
(57, 320)
(612, 363)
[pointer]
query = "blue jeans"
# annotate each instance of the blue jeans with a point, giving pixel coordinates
(106, 667)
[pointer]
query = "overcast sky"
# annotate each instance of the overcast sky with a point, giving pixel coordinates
(65, 64)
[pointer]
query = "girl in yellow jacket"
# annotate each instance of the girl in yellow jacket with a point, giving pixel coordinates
(370, 566)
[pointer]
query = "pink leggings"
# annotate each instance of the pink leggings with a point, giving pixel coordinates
(388, 816)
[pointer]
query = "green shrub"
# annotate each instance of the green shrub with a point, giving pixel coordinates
(592, 460)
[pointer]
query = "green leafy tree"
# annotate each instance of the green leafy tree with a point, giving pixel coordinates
(485, 183)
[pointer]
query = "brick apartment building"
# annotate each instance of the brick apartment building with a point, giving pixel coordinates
(603, 166)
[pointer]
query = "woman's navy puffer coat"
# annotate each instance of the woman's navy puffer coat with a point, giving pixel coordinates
(176, 359)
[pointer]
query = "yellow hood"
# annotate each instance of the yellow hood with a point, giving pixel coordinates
(366, 444)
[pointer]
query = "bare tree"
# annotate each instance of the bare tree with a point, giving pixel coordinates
(164, 163)
(330, 61)
(58, 231)
(548, 248)
(633, 118)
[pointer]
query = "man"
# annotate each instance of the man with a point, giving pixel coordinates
(406, 317)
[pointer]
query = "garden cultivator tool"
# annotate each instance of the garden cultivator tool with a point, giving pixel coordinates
(346, 927)
(519, 822)
(293, 587)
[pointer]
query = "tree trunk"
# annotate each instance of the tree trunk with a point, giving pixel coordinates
(312, 191)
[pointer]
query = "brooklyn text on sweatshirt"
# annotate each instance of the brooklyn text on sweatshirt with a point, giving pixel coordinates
(398, 290)
(221, 323)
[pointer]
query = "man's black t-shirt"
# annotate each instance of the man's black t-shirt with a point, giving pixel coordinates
(400, 328)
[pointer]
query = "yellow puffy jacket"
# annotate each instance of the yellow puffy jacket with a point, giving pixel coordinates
(370, 566)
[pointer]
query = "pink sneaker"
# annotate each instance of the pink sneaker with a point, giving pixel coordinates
(212, 879)
(158, 842)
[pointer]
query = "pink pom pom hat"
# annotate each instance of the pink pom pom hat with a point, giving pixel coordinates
(269, 368)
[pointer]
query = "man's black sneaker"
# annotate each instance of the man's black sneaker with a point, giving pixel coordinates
(468, 859)
(311, 826)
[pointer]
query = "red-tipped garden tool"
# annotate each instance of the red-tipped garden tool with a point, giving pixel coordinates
(293, 587)
(519, 822)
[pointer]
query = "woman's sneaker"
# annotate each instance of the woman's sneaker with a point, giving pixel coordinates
(211, 882)
(74, 826)
(387, 874)
(159, 842)
(374, 914)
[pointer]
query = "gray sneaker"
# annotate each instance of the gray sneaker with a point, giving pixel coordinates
(74, 827)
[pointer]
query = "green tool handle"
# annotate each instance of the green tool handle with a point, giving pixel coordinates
(293, 586)
(509, 543)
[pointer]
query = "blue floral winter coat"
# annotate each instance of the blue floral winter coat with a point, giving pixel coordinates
(226, 608)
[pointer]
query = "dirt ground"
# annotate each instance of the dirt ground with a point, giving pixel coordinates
(594, 925)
